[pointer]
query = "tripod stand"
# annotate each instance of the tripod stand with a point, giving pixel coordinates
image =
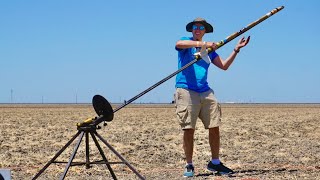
(85, 131)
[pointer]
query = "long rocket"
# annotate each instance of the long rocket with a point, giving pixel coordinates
(197, 57)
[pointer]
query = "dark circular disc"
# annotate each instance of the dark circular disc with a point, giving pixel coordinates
(102, 107)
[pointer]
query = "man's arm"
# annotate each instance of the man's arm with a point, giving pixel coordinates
(184, 44)
(225, 64)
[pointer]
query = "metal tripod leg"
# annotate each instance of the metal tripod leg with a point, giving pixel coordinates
(72, 156)
(56, 156)
(103, 156)
(87, 151)
(119, 156)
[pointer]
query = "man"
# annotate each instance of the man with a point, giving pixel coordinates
(194, 98)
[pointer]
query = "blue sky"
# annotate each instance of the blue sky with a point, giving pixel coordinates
(67, 51)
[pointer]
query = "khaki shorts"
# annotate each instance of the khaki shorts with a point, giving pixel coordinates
(190, 105)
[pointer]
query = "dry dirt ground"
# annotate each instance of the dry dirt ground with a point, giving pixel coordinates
(270, 141)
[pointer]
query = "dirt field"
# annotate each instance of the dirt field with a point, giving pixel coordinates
(257, 141)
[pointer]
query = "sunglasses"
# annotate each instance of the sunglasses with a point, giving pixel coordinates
(195, 27)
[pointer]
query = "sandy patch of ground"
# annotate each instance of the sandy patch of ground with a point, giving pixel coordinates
(257, 141)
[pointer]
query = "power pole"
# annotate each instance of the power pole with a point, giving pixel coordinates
(11, 95)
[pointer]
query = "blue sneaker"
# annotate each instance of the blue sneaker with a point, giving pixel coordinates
(188, 171)
(220, 168)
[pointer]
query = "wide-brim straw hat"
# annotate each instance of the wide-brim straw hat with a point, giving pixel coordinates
(208, 27)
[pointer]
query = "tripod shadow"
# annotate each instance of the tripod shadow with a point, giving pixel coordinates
(249, 172)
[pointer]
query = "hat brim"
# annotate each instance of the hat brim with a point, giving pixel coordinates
(207, 26)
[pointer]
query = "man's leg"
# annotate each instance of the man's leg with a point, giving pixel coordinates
(187, 110)
(215, 164)
(188, 136)
(211, 118)
(214, 140)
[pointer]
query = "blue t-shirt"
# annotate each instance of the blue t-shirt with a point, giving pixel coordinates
(195, 76)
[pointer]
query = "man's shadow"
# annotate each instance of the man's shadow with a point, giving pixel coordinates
(249, 172)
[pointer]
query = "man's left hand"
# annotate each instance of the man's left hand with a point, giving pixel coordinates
(242, 43)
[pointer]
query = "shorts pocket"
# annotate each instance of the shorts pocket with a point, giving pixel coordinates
(182, 113)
